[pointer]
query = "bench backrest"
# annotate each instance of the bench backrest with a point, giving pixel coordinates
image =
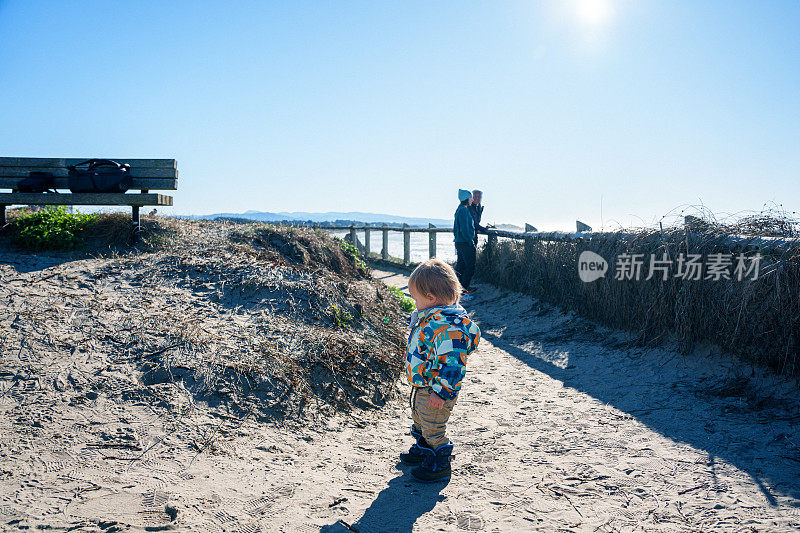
(159, 174)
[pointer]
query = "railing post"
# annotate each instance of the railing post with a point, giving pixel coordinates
(491, 242)
(693, 223)
(431, 242)
(385, 248)
(528, 249)
(2, 215)
(366, 239)
(406, 245)
(353, 238)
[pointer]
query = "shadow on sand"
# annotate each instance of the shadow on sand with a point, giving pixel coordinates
(28, 262)
(396, 508)
(669, 394)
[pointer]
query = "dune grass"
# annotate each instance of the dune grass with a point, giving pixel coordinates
(758, 319)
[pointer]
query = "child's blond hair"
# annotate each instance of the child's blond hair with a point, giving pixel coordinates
(437, 278)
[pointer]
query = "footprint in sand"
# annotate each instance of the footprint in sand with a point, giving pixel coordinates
(252, 527)
(468, 521)
(154, 498)
(259, 506)
(124, 507)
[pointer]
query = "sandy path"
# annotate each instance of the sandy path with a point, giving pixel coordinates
(557, 428)
(580, 435)
(539, 450)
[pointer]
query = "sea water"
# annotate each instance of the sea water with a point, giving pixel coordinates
(445, 248)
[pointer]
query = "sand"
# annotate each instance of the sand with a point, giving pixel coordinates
(561, 425)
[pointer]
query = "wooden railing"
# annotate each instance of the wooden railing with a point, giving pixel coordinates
(531, 235)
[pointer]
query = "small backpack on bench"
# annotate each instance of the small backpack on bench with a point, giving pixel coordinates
(99, 175)
(37, 182)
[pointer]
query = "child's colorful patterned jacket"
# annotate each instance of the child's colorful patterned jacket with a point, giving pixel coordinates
(440, 341)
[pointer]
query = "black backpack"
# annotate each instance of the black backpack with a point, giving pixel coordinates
(99, 175)
(37, 182)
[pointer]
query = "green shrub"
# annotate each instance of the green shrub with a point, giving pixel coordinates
(406, 303)
(341, 317)
(352, 252)
(50, 229)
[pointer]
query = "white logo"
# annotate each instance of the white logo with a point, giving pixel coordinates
(591, 266)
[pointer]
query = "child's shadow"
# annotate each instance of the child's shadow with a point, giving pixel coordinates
(396, 508)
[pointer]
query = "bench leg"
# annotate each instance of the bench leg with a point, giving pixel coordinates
(136, 227)
(2, 216)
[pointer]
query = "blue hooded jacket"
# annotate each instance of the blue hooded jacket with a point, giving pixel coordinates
(463, 225)
(441, 339)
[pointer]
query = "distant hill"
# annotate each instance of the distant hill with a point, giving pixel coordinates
(261, 216)
(333, 216)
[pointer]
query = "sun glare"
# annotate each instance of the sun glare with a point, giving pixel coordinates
(594, 14)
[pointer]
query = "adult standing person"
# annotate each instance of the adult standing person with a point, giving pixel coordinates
(476, 210)
(464, 237)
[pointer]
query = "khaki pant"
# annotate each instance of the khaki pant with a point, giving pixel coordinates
(429, 421)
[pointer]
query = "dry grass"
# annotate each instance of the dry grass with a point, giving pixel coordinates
(757, 319)
(113, 231)
(272, 322)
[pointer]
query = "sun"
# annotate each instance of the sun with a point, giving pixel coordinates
(594, 14)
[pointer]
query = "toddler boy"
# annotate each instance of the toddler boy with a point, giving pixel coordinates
(442, 336)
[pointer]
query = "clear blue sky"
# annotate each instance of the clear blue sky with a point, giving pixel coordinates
(391, 106)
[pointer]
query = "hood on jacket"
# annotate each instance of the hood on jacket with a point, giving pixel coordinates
(448, 310)
(454, 314)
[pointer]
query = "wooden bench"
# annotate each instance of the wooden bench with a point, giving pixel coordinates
(146, 174)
